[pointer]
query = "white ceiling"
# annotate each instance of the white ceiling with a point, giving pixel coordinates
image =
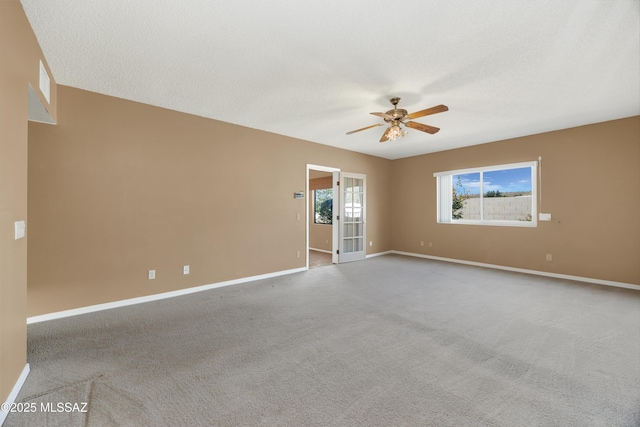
(315, 70)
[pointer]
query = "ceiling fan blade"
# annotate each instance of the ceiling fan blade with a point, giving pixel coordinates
(365, 128)
(423, 128)
(383, 115)
(385, 135)
(432, 110)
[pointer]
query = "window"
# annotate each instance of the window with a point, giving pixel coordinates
(493, 195)
(323, 206)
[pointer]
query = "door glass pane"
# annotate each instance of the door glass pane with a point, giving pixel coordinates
(348, 197)
(348, 185)
(348, 245)
(357, 212)
(356, 206)
(348, 230)
(357, 245)
(357, 229)
(357, 184)
(348, 214)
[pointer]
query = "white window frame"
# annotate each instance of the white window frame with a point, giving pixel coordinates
(444, 182)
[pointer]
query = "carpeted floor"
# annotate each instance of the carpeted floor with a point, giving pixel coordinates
(390, 341)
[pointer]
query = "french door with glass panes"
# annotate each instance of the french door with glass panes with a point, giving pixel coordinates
(352, 219)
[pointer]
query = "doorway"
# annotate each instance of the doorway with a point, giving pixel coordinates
(343, 227)
(321, 218)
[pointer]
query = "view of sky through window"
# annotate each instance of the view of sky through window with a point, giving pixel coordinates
(505, 181)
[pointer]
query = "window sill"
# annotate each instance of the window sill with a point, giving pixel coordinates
(525, 224)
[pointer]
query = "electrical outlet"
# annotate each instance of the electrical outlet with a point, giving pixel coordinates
(152, 274)
(297, 254)
(19, 229)
(421, 242)
(185, 269)
(544, 217)
(371, 243)
(430, 244)
(549, 257)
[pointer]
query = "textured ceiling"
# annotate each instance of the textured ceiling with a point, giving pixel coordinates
(315, 70)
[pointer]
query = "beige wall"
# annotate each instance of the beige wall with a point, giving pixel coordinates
(320, 235)
(118, 188)
(590, 185)
(20, 58)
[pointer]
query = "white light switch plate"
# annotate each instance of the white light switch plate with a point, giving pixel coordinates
(20, 227)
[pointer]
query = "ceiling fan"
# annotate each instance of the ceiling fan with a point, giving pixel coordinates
(399, 116)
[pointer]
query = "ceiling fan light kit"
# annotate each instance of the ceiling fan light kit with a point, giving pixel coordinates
(395, 132)
(399, 116)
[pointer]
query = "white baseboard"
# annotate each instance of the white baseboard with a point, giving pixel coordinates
(379, 254)
(523, 270)
(155, 297)
(367, 256)
(320, 250)
(14, 392)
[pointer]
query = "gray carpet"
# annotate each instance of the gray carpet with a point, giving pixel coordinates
(390, 341)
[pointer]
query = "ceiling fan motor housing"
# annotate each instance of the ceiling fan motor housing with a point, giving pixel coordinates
(396, 113)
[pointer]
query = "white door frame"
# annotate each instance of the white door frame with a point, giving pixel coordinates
(334, 226)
